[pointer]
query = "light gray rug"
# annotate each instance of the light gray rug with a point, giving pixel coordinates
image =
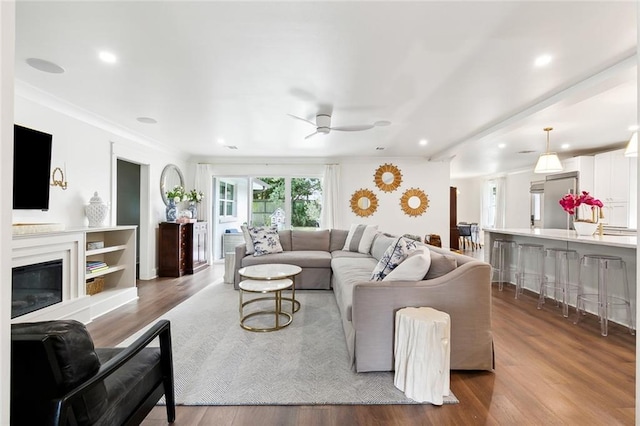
(216, 362)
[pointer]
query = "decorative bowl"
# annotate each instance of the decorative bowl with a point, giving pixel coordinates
(585, 228)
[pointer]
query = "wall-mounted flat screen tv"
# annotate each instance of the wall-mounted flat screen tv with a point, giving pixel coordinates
(31, 168)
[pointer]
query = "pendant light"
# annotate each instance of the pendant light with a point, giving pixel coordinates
(548, 161)
(632, 147)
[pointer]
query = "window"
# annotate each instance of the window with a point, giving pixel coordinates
(300, 198)
(227, 200)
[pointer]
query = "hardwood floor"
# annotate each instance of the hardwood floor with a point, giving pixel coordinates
(548, 371)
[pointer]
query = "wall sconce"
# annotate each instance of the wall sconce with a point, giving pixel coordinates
(58, 182)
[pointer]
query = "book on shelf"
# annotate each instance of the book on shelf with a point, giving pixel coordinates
(95, 264)
(93, 271)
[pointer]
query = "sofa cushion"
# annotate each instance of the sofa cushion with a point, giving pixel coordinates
(440, 265)
(352, 254)
(360, 238)
(303, 259)
(348, 272)
(310, 240)
(338, 238)
(285, 239)
(247, 239)
(380, 244)
(392, 257)
(265, 240)
(413, 268)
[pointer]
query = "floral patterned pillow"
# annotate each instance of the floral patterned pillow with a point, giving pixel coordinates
(392, 257)
(265, 240)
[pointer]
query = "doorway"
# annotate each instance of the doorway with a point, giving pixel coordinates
(128, 200)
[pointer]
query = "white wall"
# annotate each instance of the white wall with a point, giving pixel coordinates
(87, 147)
(431, 177)
(518, 205)
(469, 200)
(7, 43)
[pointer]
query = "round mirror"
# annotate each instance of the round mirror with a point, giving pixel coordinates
(414, 202)
(364, 202)
(170, 177)
(387, 177)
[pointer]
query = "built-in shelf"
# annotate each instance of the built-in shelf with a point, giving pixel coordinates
(119, 253)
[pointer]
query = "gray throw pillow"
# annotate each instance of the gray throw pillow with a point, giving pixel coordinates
(440, 265)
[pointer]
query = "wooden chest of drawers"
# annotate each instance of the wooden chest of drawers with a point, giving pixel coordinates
(182, 248)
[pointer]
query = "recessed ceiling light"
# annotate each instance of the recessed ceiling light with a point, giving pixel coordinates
(147, 120)
(108, 57)
(502, 145)
(543, 60)
(565, 146)
(45, 66)
(423, 142)
(220, 141)
(633, 128)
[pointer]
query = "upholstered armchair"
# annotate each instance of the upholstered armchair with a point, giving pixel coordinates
(59, 378)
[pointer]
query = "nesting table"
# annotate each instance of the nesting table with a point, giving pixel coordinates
(270, 280)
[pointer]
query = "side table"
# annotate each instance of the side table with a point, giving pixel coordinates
(422, 354)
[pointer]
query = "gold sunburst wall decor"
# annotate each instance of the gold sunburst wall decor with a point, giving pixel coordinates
(414, 202)
(387, 177)
(364, 202)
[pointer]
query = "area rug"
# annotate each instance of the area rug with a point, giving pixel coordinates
(216, 362)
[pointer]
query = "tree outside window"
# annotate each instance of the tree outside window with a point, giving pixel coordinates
(305, 196)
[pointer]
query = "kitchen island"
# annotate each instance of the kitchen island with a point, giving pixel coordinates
(614, 245)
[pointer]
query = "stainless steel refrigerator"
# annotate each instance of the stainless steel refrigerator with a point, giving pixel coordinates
(557, 186)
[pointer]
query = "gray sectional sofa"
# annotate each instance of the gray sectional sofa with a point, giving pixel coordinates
(456, 284)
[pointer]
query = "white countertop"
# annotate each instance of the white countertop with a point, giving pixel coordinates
(571, 236)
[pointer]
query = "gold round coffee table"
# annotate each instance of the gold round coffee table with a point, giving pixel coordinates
(275, 271)
(265, 287)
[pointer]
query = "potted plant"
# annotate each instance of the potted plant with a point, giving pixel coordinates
(586, 210)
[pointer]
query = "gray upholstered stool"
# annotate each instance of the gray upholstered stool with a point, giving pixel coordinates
(530, 266)
(604, 270)
(502, 255)
(563, 264)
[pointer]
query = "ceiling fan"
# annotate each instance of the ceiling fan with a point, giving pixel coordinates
(323, 125)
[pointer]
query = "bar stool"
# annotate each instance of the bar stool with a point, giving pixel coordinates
(530, 266)
(564, 264)
(502, 254)
(605, 268)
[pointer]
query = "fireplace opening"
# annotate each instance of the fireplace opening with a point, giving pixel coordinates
(35, 286)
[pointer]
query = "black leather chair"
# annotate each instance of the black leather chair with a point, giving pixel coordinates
(59, 378)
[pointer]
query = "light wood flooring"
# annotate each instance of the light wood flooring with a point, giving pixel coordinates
(548, 371)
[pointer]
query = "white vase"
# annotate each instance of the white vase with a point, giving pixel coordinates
(585, 228)
(96, 211)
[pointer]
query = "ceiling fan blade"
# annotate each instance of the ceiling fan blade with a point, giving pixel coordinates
(303, 119)
(353, 128)
(314, 133)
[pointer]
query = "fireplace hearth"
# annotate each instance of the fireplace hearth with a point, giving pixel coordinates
(35, 286)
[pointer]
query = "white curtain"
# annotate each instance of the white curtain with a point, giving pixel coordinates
(500, 202)
(330, 196)
(204, 183)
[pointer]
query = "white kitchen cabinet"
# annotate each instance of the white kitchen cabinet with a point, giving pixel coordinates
(584, 165)
(611, 186)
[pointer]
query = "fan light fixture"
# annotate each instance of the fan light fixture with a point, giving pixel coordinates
(548, 161)
(632, 146)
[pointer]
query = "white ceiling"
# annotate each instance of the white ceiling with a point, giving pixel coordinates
(459, 74)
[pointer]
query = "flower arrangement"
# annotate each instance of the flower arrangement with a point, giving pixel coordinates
(584, 202)
(195, 196)
(177, 194)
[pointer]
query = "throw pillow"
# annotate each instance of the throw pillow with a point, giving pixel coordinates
(440, 265)
(265, 240)
(413, 268)
(247, 239)
(360, 237)
(392, 257)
